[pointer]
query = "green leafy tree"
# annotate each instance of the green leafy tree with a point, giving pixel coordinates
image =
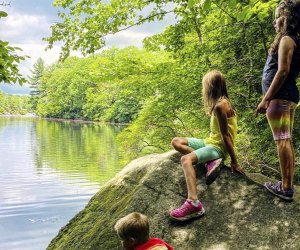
(86, 20)
(62, 94)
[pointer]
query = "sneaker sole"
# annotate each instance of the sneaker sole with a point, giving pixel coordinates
(214, 175)
(190, 216)
(279, 195)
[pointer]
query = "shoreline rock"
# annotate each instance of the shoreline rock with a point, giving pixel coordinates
(239, 213)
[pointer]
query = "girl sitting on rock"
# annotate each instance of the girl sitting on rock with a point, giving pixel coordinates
(212, 150)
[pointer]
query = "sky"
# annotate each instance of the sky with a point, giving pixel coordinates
(29, 21)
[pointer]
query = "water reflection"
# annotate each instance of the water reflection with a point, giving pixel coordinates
(49, 171)
(85, 149)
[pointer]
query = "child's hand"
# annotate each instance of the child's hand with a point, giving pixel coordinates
(262, 107)
(235, 167)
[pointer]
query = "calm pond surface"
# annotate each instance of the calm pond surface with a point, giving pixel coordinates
(48, 172)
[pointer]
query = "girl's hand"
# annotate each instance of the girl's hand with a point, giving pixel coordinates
(236, 168)
(262, 107)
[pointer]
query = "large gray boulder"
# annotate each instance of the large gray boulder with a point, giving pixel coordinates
(240, 214)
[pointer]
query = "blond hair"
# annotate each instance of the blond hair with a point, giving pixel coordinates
(134, 225)
(214, 87)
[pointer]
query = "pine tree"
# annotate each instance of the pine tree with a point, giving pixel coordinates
(34, 81)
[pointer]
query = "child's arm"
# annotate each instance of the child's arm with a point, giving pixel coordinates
(285, 56)
(221, 110)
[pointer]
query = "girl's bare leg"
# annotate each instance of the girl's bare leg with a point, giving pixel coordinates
(181, 145)
(190, 174)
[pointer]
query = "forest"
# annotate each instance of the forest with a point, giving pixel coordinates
(14, 104)
(156, 90)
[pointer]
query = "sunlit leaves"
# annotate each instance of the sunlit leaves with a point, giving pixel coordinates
(232, 4)
(9, 61)
(206, 4)
(191, 3)
(258, 9)
(86, 23)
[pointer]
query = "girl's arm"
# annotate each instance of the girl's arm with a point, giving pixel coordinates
(285, 56)
(220, 111)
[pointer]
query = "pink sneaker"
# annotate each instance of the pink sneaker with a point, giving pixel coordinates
(213, 170)
(187, 211)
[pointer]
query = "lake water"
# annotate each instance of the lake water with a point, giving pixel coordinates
(48, 172)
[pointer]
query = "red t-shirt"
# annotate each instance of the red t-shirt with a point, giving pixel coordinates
(152, 243)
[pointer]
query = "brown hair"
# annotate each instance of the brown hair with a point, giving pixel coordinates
(214, 87)
(134, 225)
(290, 13)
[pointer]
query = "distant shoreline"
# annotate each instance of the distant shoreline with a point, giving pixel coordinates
(19, 115)
(63, 119)
(83, 121)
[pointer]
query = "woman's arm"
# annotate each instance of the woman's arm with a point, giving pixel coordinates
(221, 110)
(285, 56)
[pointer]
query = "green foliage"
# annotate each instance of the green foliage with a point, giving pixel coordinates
(9, 61)
(62, 90)
(87, 19)
(108, 87)
(14, 104)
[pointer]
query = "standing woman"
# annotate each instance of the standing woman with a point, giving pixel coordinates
(281, 93)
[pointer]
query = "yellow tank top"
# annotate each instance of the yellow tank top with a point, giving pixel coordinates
(215, 138)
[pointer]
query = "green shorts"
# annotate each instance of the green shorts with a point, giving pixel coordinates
(203, 152)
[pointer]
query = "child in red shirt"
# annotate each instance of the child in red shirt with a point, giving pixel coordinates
(133, 230)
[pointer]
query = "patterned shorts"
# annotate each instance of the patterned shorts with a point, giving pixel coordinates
(280, 115)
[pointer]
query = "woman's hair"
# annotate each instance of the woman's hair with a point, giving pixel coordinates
(134, 225)
(289, 11)
(214, 87)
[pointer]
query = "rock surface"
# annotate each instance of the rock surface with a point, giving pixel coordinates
(240, 214)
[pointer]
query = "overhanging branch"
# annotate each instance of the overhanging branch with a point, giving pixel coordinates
(141, 21)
